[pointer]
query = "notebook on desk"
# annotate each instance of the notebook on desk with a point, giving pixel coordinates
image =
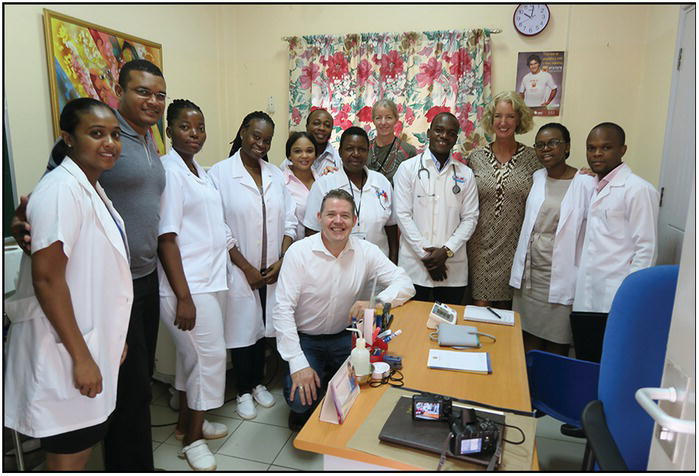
(485, 314)
(401, 429)
(474, 362)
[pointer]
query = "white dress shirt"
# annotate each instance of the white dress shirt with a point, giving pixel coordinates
(316, 290)
(374, 205)
(430, 214)
(191, 208)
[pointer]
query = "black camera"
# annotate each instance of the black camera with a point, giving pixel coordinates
(431, 407)
(471, 434)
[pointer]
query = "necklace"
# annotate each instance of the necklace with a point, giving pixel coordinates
(373, 153)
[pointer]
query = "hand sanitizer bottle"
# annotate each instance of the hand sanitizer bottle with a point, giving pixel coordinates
(360, 360)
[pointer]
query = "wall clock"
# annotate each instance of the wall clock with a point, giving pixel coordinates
(531, 18)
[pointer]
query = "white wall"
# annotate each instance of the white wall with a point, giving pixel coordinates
(230, 58)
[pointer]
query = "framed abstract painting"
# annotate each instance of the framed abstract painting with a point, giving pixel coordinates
(84, 60)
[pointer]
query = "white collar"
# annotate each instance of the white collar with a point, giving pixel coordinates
(318, 246)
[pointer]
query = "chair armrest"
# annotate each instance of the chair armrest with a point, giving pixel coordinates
(604, 449)
(560, 386)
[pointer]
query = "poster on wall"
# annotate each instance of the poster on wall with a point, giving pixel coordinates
(540, 81)
(84, 61)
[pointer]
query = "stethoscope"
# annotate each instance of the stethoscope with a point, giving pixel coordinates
(455, 189)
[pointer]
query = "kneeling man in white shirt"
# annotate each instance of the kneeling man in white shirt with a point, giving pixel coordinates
(317, 296)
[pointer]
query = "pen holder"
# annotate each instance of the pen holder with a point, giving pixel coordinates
(380, 346)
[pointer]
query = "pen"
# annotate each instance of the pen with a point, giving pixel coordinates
(496, 314)
(388, 338)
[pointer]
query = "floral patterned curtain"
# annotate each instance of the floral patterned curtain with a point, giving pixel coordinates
(423, 73)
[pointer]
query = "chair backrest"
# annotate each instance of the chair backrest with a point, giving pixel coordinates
(633, 355)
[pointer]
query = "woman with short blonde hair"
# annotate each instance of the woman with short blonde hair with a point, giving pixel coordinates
(503, 171)
(386, 150)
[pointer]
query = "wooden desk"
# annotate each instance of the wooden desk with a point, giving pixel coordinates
(507, 386)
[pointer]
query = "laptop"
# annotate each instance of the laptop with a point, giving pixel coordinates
(401, 429)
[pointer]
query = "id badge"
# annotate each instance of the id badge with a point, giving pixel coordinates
(359, 234)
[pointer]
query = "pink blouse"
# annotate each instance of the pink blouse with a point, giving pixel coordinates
(300, 194)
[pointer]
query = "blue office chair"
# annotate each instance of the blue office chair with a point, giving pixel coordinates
(600, 397)
(633, 356)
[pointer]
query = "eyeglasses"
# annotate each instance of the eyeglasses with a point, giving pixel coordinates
(552, 144)
(147, 94)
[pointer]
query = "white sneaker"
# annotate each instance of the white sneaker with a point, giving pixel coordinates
(213, 430)
(262, 396)
(210, 429)
(246, 407)
(199, 456)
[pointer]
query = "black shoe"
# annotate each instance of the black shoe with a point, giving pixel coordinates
(574, 431)
(297, 420)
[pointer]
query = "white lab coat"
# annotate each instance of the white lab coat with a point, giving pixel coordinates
(374, 203)
(570, 233)
(40, 397)
(431, 215)
(242, 211)
(621, 237)
(191, 208)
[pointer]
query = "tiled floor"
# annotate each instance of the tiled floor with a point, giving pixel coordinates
(265, 444)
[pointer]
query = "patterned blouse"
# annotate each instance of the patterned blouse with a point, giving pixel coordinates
(386, 159)
(502, 196)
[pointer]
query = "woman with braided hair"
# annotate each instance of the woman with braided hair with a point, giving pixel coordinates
(260, 213)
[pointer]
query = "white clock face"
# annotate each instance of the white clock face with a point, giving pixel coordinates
(531, 18)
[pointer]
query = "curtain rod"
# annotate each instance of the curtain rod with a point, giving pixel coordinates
(493, 31)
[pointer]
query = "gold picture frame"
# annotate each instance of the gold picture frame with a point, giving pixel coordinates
(84, 61)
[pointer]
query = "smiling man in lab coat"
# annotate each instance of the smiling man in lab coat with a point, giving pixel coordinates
(621, 236)
(436, 204)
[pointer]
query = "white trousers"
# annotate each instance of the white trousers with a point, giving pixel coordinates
(200, 366)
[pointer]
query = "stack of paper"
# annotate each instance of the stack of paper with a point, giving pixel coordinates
(489, 315)
(475, 362)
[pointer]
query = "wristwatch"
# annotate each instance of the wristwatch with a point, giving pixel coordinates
(450, 253)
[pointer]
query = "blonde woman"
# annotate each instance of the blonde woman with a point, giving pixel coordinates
(503, 171)
(386, 151)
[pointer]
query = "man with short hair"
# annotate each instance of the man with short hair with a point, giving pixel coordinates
(536, 83)
(316, 298)
(319, 124)
(620, 237)
(436, 204)
(134, 186)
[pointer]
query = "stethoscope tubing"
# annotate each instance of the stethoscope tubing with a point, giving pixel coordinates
(455, 189)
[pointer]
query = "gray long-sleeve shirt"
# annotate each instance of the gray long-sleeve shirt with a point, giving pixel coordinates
(134, 186)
